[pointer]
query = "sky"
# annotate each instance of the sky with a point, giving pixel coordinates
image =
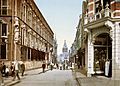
(63, 17)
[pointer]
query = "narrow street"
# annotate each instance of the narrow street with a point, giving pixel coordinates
(49, 78)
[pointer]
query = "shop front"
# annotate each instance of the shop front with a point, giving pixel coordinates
(99, 54)
(103, 55)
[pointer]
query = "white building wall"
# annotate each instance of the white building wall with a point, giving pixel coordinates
(90, 56)
(117, 43)
(116, 51)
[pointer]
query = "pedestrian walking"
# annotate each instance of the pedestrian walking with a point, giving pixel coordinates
(57, 66)
(48, 65)
(78, 64)
(63, 66)
(43, 67)
(51, 66)
(7, 71)
(1, 77)
(12, 69)
(16, 68)
(22, 69)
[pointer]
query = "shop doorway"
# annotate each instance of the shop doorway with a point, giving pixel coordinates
(103, 54)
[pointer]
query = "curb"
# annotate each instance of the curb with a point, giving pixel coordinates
(12, 83)
(78, 81)
(75, 77)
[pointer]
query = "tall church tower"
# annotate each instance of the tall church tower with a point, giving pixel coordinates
(65, 50)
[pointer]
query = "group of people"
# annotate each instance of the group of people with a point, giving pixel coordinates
(12, 70)
(18, 67)
(51, 65)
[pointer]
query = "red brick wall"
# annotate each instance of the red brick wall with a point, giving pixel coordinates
(115, 6)
(90, 0)
(90, 7)
(116, 14)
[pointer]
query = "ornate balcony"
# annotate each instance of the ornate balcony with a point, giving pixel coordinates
(99, 17)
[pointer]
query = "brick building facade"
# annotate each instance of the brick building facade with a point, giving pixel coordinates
(102, 28)
(98, 33)
(24, 33)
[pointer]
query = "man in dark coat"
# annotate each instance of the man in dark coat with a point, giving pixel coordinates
(22, 69)
(16, 68)
(43, 67)
(1, 78)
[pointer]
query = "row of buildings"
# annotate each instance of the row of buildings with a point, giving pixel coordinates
(97, 38)
(25, 34)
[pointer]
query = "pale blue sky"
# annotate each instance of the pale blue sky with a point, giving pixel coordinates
(62, 16)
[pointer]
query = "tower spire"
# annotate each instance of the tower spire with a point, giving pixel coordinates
(65, 48)
(65, 45)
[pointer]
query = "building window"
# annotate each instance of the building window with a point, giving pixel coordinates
(4, 2)
(3, 7)
(3, 49)
(4, 29)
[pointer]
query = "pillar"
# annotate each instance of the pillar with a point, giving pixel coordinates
(90, 55)
(116, 52)
(16, 40)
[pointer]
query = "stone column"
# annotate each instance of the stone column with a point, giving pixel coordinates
(16, 40)
(90, 55)
(116, 51)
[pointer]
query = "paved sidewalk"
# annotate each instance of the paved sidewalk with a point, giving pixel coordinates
(8, 81)
(95, 81)
(77, 75)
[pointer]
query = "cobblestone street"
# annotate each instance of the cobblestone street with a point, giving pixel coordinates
(49, 78)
